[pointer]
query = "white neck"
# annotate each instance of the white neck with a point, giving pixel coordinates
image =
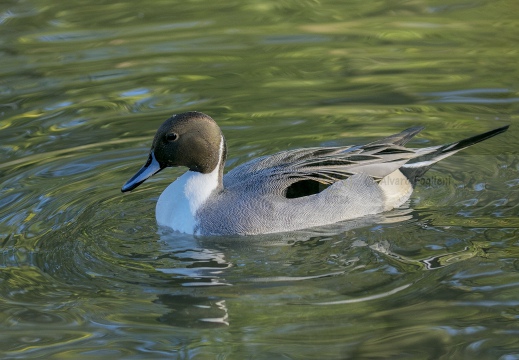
(178, 204)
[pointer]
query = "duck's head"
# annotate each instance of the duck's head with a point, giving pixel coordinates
(190, 139)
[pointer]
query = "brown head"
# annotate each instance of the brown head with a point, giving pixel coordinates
(190, 139)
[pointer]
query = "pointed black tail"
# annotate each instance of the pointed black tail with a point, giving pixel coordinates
(414, 169)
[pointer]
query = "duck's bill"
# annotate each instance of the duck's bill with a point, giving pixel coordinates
(149, 169)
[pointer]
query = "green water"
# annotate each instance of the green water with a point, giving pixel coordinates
(85, 272)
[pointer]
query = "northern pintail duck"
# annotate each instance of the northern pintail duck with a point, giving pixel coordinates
(290, 190)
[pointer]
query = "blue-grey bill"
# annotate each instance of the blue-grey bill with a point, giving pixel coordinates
(151, 167)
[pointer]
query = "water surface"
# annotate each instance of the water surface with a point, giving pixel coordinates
(84, 270)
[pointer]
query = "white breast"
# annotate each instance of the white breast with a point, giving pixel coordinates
(178, 204)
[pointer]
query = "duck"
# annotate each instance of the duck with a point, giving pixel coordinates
(286, 191)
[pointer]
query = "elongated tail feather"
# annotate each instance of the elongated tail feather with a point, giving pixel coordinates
(414, 169)
(401, 138)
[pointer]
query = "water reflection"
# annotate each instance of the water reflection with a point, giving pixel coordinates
(191, 311)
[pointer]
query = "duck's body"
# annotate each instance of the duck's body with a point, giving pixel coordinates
(286, 191)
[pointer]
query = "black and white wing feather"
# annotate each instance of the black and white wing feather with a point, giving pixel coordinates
(324, 165)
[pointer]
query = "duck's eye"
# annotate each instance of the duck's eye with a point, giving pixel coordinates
(171, 137)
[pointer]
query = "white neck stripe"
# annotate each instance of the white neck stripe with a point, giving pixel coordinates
(179, 203)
